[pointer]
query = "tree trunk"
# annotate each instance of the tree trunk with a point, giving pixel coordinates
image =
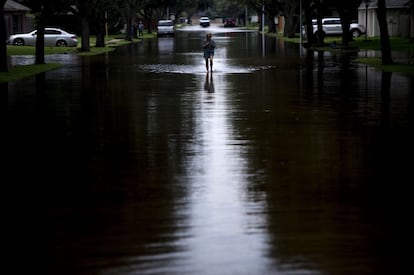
(412, 21)
(384, 36)
(292, 19)
(100, 35)
(345, 22)
(149, 20)
(40, 40)
(129, 28)
(100, 39)
(259, 16)
(271, 26)
(3, 37)
(85, 47)
(309, 28)
(320, 35)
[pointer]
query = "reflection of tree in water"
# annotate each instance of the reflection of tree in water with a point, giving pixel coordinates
(209, 84)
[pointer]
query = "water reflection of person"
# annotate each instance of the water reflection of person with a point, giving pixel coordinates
(209, 84)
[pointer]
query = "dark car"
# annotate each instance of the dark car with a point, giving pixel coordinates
(229, 22)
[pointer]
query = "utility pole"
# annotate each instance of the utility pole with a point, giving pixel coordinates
(263, 31)
(106, 25)
(245, 16)
(300, 29)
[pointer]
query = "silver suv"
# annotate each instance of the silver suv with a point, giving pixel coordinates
(165, 27)
(332, 26)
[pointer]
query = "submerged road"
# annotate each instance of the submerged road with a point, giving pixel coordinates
(140, 162)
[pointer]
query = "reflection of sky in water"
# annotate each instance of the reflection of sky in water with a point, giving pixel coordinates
(219, 67)
(220, 231)
(214, 29)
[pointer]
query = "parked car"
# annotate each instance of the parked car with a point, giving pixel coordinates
(165, 28)
(53, 37)
(204, 21)
(229, 22)
(332, 26)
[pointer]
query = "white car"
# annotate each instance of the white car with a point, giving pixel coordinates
(165, 27)
(53, 37)
(204, 21)
(332, 26)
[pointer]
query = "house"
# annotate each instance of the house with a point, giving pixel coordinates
(16, 19)
(400, 17)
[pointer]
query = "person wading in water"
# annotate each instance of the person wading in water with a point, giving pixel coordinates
(208, 46)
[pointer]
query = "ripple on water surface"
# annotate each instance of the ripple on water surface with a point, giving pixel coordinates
(198, 69)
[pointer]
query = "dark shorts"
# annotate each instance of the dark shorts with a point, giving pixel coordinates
(208, 53)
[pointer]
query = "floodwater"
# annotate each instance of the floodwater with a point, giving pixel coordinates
(140, 162)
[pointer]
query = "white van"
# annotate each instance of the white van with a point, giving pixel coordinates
(165, 28)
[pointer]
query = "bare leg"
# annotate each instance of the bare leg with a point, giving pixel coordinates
(211, 63)
(207, 64)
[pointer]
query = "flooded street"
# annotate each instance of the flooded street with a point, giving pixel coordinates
(140, 162)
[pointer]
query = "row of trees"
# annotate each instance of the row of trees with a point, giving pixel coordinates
(3, 37)
(312, 9)
(95, 13)
(317, 9)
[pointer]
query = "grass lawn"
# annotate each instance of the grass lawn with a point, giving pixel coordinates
(371, 43)
(396, 67)
(20, 72)
(30, 50)
(397, 44)
(111, 42)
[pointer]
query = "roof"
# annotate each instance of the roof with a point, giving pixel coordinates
(390, 4)
(14, 6)
(397, 3)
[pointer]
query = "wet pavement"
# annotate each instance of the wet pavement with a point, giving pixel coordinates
(139, 162)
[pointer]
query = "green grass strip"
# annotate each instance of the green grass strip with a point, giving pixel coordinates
(374, 43)
(97, 50)
(19, 72)
(396, 67)
(31, 50)
(111, 43)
